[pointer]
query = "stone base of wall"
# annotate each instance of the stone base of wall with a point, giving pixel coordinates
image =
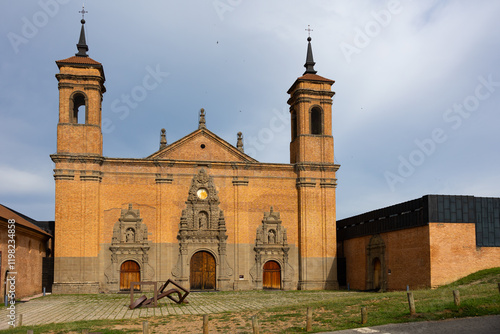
(319, 285)
(75, 288)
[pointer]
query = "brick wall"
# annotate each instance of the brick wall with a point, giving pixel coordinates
(454, 253)
(406, 256)
(30, 251)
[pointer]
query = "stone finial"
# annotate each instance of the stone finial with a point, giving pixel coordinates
(202, 122)
(239, 143)
(163, 139)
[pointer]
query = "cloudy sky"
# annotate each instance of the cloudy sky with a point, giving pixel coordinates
(415, 111)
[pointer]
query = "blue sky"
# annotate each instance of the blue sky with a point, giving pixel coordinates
(415, 111)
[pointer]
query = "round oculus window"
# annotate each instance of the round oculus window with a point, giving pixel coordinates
(202, 193)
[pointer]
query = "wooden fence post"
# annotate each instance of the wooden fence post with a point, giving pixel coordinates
(456, 297)
(309, 319)
(20, 320)
(205, 324)
(255, 325)
(145, 327)
(364, 315)
(411, 303)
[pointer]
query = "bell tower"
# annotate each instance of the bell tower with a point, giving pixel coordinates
(311, 116)
(81, 86)
(311, 152)
(77, 172)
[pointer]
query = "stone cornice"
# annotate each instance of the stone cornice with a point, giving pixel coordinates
(299, 167)
(77, 77)
(90, 175)
(304, 182)
(76, 158)
(162, 178)
(240, 181)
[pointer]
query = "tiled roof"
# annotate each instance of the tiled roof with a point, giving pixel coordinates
(315, 77)
(79, 60)
(7, 213)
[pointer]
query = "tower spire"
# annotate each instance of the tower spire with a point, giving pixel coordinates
(82, 43)
(309, 65)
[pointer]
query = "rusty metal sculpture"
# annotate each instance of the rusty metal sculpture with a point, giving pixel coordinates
(143, 301)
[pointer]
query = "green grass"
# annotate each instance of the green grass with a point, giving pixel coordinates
(479, 296)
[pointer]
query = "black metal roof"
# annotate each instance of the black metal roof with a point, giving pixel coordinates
(482, 211)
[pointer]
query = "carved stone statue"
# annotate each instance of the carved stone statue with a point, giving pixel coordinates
(130, 235)
(271, 237)
(203, 222)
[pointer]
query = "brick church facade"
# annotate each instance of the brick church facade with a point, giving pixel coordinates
(199, 211)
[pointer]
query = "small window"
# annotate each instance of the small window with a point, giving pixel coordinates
(316, 121)
(78, 109)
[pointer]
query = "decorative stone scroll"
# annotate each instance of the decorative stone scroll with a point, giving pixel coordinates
(271, 245)
(129, 242)
(202, 228)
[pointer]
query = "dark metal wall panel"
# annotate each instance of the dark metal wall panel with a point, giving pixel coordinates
(488, 222)
(451, 209)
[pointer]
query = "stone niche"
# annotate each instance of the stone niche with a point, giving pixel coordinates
(202, 228)
(271, 245)
(129, 243)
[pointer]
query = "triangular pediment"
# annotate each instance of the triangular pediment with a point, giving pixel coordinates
(202, 145)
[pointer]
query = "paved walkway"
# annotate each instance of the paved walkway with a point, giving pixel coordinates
(68, 308)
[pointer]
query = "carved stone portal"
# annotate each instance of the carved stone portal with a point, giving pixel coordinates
(271, 245)
(129, 242)
(202, 228)
(376, 278)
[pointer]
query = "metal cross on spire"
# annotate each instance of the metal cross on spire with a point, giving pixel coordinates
(309, 30)
(83, 11)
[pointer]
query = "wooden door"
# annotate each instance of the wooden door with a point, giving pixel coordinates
(129, 272)
(202, 269)
(377, 274)
(272, 275)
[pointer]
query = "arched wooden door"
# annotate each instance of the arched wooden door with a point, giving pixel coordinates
(202, 269)
(272, 275)
(377, 274)
(129, 272)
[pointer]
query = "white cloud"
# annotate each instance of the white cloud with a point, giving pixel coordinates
(16, 181)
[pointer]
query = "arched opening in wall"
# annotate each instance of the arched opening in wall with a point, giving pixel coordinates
(377, 274)
(271, 275)
(316, 121)
(129, 272)
(78, 109)
(202, 271)
(293, 116)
